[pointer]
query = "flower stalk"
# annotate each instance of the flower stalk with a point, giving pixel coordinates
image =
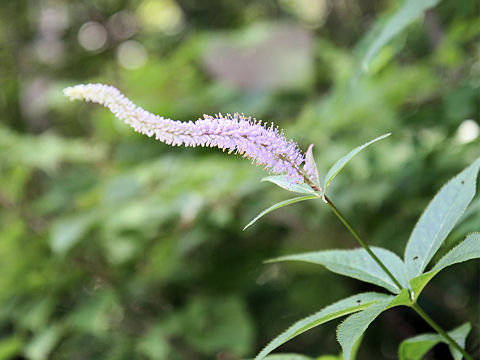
(361, 242)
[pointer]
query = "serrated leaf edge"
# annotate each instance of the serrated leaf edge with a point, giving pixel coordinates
(427, 207)
(360, 307)
(386, 281)
(348, 353)
(434, 271)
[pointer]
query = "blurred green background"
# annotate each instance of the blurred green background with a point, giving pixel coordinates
(115, 246)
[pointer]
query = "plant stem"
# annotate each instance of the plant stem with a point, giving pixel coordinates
(439, 330)
(414, 305)
(361, 242)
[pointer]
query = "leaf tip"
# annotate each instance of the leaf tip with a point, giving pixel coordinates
(247, 226)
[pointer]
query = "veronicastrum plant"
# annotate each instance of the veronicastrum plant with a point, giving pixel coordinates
(297, 172)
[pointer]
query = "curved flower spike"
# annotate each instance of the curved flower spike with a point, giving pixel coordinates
(235, 133)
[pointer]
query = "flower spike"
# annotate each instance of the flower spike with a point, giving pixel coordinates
(235, 133)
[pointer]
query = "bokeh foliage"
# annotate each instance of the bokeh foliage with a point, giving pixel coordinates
(114, 246)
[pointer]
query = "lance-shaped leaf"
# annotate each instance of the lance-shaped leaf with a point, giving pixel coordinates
(358, 264)
(286, 183)
(311, 165)
(279, 205)
(349, 331)
(404, 16)
(466, 250)
(340, 164)
(341, 308)
(439, 218)
(414, 348)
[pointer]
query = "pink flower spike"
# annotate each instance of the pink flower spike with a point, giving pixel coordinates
(237, 133)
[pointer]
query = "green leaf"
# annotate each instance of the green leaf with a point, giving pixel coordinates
(286, 183)
(460, 336)
(414, 348)
(350, 330)
(439, 218)
(357, 264)
(43, 343)
(10, 347)
(67, 231)
(288, 357)
(466, 250)
(333, 311)
(330, 357)
(404, 16)
(402, 299)
(339, 165)
(310, 161)
(279, 205)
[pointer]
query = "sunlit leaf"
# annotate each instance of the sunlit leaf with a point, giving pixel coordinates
(466, 250)
(43, 343)
(404, 16)
(339, 165)
(67, 231)
(356, 263)
(11, 346)
(439, 218)
(279, 205)
(286, 183)
(334, 311)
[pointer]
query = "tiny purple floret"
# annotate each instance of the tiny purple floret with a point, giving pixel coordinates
(263, 144)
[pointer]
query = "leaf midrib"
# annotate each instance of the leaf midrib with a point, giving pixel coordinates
(424, 262)
(328, 263)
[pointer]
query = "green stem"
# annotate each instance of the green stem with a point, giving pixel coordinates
(415, 306)
(361, 242)
(439, 330)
